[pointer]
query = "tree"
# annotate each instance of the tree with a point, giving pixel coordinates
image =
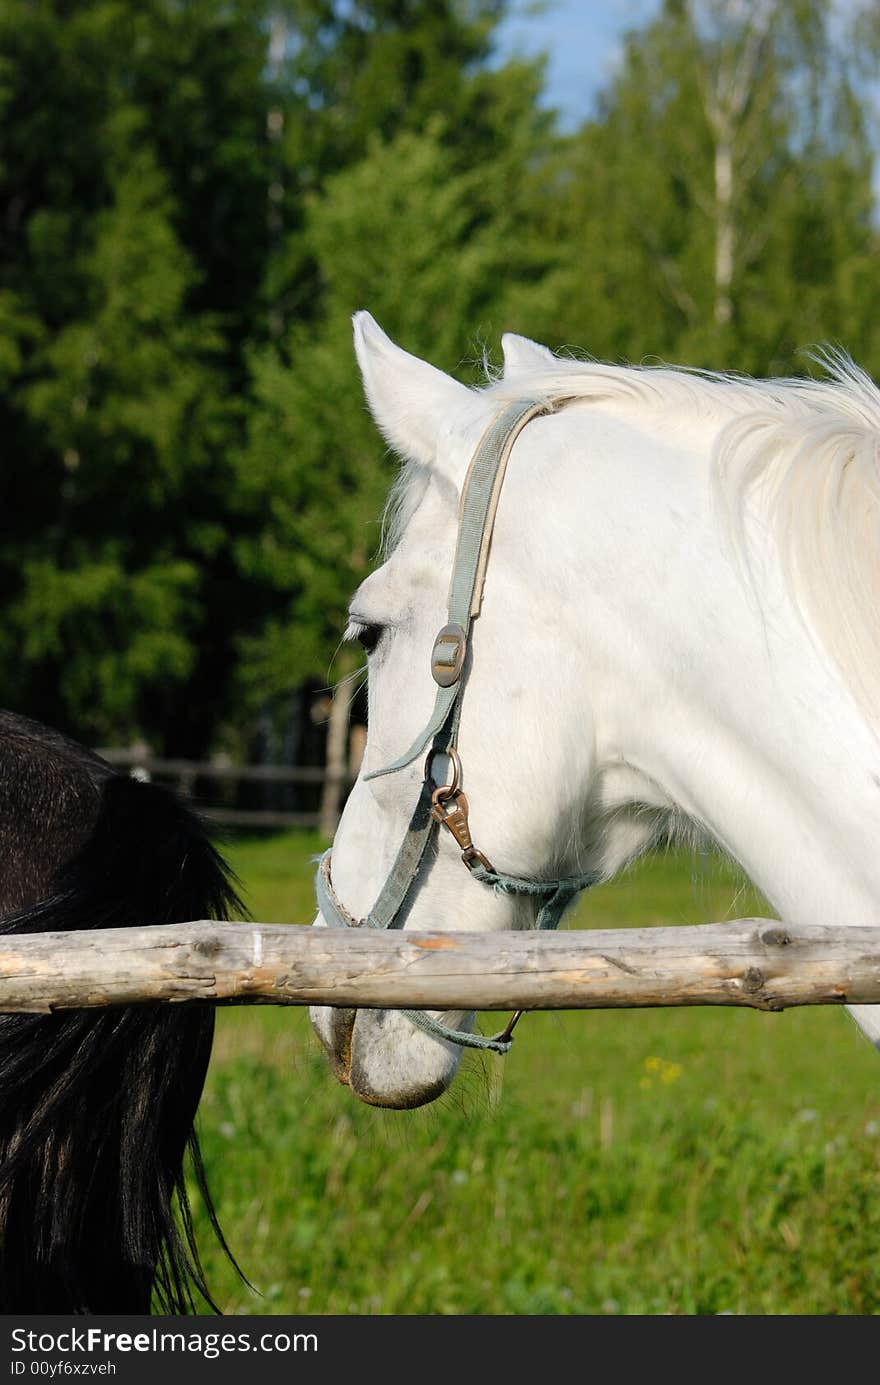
(314, 466)
(132, 248)
(428, 225)
(195, 197)
(717, 209)
(367, 71)
(158, 173)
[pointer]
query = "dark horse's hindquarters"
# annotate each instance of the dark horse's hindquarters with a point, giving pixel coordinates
(97, 1107)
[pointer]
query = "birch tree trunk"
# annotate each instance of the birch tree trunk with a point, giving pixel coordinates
(725, 232)
(732, 104)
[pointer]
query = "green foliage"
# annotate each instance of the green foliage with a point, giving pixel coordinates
(723, 120)
(196, 198)
(116, 406)
(168, 174)
(114, 413)
(314, 467)
(104, 631)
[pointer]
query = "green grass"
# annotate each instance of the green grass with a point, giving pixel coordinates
(637, 1162)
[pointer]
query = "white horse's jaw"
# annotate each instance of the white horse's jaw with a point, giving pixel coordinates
(383, 1058)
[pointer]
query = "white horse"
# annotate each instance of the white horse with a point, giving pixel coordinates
(679, 626)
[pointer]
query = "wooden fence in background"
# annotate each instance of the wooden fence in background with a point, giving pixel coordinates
(205, 781)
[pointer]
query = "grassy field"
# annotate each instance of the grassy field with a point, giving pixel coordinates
(678, 1161)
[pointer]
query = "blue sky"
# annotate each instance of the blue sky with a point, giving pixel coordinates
(582, 39)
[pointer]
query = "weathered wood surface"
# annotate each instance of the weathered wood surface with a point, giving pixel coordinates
(753, 962)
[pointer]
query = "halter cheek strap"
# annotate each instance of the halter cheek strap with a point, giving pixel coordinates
(445, 804)
(479, 503)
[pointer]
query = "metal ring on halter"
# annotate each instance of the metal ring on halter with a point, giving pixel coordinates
(444, 791)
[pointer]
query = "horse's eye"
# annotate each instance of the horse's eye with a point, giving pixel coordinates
(368, 636)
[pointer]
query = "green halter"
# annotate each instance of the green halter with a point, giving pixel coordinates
(445, 803)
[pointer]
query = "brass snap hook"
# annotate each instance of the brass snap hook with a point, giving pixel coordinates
(449, 807)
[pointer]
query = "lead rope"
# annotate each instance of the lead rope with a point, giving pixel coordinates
(446, 805)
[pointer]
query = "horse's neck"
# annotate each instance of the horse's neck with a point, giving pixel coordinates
(716, 704)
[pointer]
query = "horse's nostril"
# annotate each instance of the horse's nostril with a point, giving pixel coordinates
(334, 1028)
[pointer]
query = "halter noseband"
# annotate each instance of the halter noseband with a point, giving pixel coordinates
(445, 804)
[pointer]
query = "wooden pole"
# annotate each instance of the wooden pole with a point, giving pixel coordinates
(337, 755)
(753, 962)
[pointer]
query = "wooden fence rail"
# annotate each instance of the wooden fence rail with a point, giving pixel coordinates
(186, 774)
(210, 769)
(752, 962)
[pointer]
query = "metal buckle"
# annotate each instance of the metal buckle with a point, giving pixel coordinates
(447, 656)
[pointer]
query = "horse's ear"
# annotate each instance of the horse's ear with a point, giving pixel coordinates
(522, 355)
(409, 399)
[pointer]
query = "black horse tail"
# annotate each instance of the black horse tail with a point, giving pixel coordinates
(97, 1107)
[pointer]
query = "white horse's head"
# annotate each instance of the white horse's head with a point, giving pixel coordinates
(598, 700)
(526, 788)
